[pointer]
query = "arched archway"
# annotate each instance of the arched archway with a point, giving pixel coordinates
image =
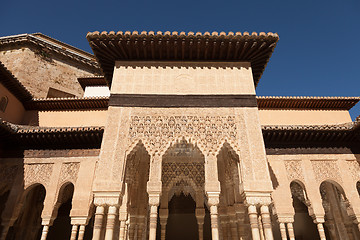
(135, 203)
(61, 228)
(337, 207)
(183, 193)
(28, 223)
(304, 226)
(231, 206)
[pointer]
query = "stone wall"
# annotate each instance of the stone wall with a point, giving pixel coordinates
(39, 69)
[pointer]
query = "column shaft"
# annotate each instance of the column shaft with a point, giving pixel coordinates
(44, 233)
(265, 215)
(99, 217)
(283, 231)
(74, 232)
(81, 232)
(290, 228)
(214, 222)
(110, 223)
(320, 228)
(153, 222)
(122, 230)
(253, 217)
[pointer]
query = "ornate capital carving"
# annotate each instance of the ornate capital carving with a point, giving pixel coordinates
(257, 198)
(154, 199)
(213, 198)
(106, 198)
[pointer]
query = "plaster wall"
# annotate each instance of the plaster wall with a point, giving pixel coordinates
(75, 118)
(38, 70)
(14, 111)
(182, 78)
(303, 117)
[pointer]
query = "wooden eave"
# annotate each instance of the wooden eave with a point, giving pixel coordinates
(312, 135)
(34, 137)
(68, 103)
(92, 81)
(11, 83)
(316, 103)
(150, 46)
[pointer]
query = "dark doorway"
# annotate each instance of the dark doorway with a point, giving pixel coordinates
(182, 222)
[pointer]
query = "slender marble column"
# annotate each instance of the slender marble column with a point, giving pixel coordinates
(283, 231)
(81, 232)
(99, 217)
(261, 229)
(265, 215)
(153, 222)
(74, 232)
(164, 214)
(290, 228)
(320, 228)
(214, 222)
(253, 217)
(110, 224)
(122, 229)
(45, 231)
(200, 215)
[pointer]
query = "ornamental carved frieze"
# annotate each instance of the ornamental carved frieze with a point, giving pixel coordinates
(326, 170)
(37, 173)
(294, 170)
(158, 132)
(69, 172)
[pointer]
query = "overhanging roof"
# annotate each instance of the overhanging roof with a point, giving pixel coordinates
(316, 103)
(13, 84)
(51, 44)
(151, 46)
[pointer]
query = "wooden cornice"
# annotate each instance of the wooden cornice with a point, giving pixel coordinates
(151, 46)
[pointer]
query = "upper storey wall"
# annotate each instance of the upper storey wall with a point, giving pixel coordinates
(303, 117)
(38, 71)
(183, 78)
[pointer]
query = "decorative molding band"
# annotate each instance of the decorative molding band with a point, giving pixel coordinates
(48, 153)
(172, 101)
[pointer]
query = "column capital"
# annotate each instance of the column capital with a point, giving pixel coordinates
(107, 198)
(257, 198)
(77, 220)
(288, 218)
(154, 199)
(213, 198)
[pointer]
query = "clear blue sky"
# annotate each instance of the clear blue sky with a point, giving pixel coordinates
(317, 55)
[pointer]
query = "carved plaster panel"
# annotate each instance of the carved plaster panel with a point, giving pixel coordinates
(354, 168)
(69, 172)
(37, 173)
(325, 170)
(294, 170)
(207, 132)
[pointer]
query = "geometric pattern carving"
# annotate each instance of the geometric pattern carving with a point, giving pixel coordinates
(326, 169)
(207, 131)
(69, 172)
(37, 173)
(354, 168)
(194, 171)
(294, 170)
